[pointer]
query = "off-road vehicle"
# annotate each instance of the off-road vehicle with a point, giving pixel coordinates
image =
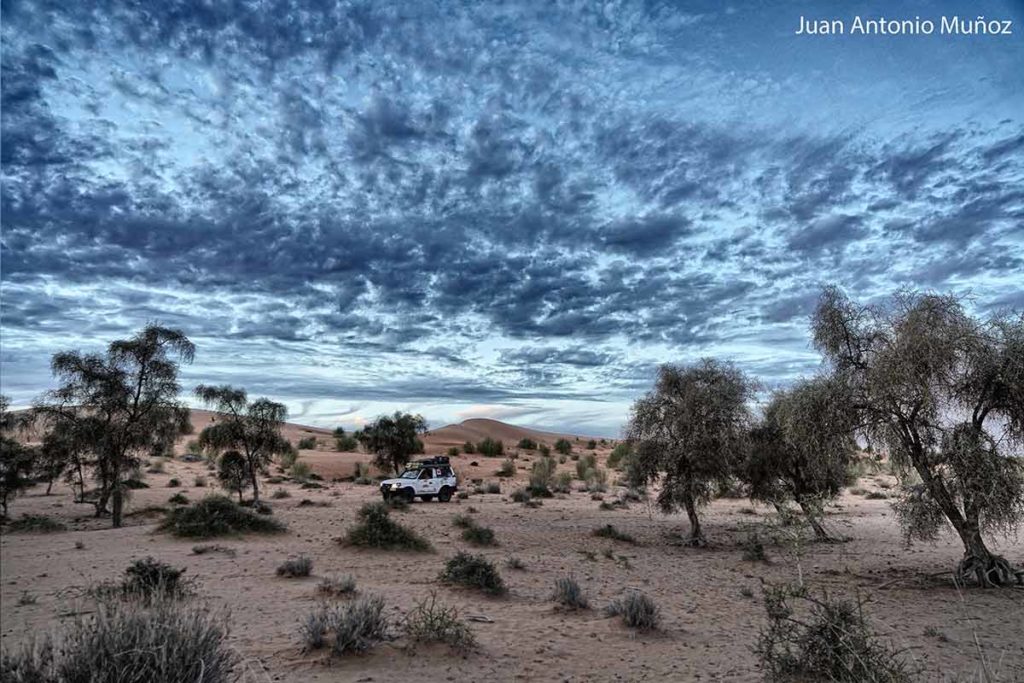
(423, 478)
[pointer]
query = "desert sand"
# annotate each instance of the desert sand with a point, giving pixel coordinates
(710, 597)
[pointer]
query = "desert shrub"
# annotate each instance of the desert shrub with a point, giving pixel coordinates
(597, 480)
(636, 610)
(830, 640)
(346, 444)
(178, 499)
(492, 487)
(541, 473)
(135, 482)
(355, 627)
(609, 531)
(527, 444)
(469, 448)
(173, 483)
(545, 451)
(129, 641)
(479, 535)
(300, 471)
(397, 503)
(591, 445)
(362, 476)
(563, 446)
(618, 455)
(295, 567)
(452, 451)
(569, 594)
(156, 466)
(521, 496)
(36, 524)
(462, 495)
(562, 482)
(491, 448)
(507, 469)
(463, 521)
(337, 585)
(515, 563)
(217, 516)
(212, 548)
(877, 495)
(753, 548)
(376, 529)
(279, 494)
(307, 444)
(585, 463)
(473, 571)
(199, 481)
(145, 581)
(430, 622)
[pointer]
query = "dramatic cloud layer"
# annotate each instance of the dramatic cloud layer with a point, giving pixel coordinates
(469, 209)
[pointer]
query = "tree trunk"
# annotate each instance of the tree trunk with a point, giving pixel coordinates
(255, 484)
(118, 499)
(696, 535)
(811, 515)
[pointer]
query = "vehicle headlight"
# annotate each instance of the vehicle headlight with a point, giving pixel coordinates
(394, 486)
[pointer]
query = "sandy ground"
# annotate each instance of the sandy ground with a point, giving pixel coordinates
(711, 620)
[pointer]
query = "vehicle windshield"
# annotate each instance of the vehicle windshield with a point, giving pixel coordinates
(410, 474)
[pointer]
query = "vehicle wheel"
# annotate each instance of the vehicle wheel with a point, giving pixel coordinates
(426, 499)
(408, 495)
(445, 494)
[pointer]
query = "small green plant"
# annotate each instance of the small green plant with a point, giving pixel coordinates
(521, 496)
(545, 452)
(493, 487)
(178, 499)
(300, 471)
(173, 483)
(376, 529)
(473, 571)
(618, 456)
(563, 446)
(541, 473)
(569, 594)
(527, 444)
(637, 611)
(609, 531)
(307, 444)
(355, 627)
(562, 483)
(452, 451)
(469, 448)
(295, 567)
(584, 465)
(346, 444)
(430, 622)
(463, 521)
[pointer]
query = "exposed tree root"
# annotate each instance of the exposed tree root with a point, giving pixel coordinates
(989, 572)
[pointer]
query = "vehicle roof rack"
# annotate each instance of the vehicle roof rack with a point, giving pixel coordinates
(432, 462)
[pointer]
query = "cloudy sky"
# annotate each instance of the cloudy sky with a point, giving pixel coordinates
(513, 210)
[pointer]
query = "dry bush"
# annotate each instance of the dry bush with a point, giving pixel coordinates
(753, 548)
(609, 531)
(337, 585)
(569, 594)
(829, 640)
(637, 611)
(129, 640)
(355, 627)
(295, 567)
(473, 571)
(178, 499)
(35, 524)
(217, 516)
(515, 563)
(279, 494)
(430, 622)
(479, 535)
(507, 469)
(376, 529)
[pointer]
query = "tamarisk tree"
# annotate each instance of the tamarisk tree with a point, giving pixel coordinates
(251, 428)
(943, 392)
(802, 447)
(690, 433)
(394, 439)
(120, 405)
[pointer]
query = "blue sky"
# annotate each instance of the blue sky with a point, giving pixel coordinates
(511, 210)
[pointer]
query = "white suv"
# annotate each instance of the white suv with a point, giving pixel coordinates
(426, 479)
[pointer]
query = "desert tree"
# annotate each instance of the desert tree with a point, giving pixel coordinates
(394, 439)
(690, 433)
(943, 392)
(253, 428)
(233, 472)
(15, 459)
(122, 403)
(801, 449)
